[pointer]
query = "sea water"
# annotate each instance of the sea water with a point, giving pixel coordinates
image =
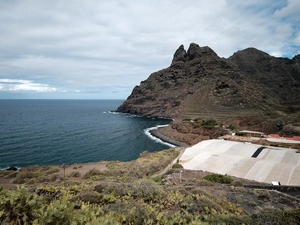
(56, 132)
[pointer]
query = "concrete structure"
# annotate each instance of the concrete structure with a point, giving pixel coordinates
(244, 160)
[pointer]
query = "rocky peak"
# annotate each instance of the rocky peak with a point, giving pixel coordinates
(179, 55)
(250, 54)
(296, 60)
(195, 52)
(249, 86)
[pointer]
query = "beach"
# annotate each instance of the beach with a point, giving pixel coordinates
(157, 134)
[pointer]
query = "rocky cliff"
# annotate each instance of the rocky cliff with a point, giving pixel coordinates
(250, 89)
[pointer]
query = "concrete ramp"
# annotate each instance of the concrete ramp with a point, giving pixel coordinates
(245, 160)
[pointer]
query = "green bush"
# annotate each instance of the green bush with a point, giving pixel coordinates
(237, 183)
(92, 172)
(25, 175)
(56, 177)
(240, 134)
(88, 197)
(19, 207)
(75, 174)
(51, 171)
(205, 183)
(219, 178)
(231, 127)
(209, 123)
(177, 166)
(145, 189)
(157, 179)
(143, 202)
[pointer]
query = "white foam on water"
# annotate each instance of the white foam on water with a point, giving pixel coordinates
(147, 132)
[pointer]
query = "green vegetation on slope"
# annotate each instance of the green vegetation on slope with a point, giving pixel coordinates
(126, 193)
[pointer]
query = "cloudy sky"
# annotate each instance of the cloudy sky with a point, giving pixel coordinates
(100, 49)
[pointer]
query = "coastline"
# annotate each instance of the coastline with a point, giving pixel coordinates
(155, 132)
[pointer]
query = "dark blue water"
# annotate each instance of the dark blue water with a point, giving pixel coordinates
(54, 132)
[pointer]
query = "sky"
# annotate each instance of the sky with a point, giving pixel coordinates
(100, 49)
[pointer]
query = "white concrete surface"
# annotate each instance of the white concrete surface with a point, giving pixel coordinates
(234, 158)
(282, 140)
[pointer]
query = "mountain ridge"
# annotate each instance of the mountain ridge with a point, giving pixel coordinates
(250, 89)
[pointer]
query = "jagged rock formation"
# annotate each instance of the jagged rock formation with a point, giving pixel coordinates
(250, 89)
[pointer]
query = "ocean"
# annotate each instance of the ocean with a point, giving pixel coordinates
(56, 132)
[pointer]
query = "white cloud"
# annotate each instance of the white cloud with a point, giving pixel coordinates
(297, 39)
(16, 85)
(96, 46)
(292, 9)
(276, 54)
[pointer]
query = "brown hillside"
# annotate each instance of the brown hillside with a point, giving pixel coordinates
(249, 89)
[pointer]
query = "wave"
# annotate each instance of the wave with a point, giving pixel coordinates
(6, 168)
(148, 133)
(121, 113)
(112, 112)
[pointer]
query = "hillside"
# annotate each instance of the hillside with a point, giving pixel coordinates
(250, 89)
(139, 192)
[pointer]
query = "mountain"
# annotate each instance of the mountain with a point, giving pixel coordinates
(250, 89)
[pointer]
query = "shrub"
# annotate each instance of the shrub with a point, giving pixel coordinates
(205, 183)
(219, 178)
(209, 123)
(170, 171)
(142, 188)
(147, 189)
(56, 177)
(264, 196)
(24, 175)
(51, 171)
(231, 127)
(42, 179)
(88, 197)
(237, 183)
(19, 207)
(240, 134)
(177, 166)
(75, 174)
(92, 172)
(157, 178)
(11, 174)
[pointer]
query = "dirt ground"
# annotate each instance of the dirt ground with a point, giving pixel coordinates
(7, 183)
(83, 168)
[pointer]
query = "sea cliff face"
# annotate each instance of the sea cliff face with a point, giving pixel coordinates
(250, 89)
